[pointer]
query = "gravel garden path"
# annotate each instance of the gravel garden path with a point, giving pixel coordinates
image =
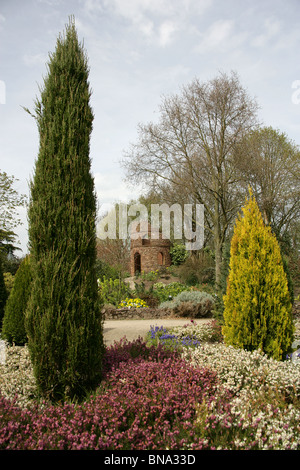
(114, 330)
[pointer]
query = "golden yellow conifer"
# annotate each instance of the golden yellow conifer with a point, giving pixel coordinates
(257, 306)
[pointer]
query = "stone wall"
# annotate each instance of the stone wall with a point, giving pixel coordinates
(134, 313)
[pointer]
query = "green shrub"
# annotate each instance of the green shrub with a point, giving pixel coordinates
(13, 329)
(166, 292)
(178, 254)
(151, 276)
(198, 268)
(9, 281)
(103, 269)
(3, 294)
(112, 291)
(257, 304)
(145, 294)
(194, 304)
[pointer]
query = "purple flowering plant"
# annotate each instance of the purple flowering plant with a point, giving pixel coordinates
(161, 336)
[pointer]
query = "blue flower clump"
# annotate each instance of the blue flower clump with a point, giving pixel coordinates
(169, 339)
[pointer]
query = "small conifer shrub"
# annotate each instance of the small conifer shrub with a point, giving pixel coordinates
(13, 329)
(3, 294)
(257, 304)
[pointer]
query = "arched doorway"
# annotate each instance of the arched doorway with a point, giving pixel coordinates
(161, 258)
(137, 262)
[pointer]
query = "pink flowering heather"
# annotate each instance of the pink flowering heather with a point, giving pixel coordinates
(143, 403)
(124, 350)
(150, 399)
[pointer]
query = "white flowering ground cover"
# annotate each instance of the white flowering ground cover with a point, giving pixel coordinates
(16, 376)
(265, 393)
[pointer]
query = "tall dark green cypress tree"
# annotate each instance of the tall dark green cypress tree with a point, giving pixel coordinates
(63, 318)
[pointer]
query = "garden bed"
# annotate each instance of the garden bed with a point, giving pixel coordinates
(160, 395)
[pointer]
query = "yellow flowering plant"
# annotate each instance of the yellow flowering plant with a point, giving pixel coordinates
(132, 303)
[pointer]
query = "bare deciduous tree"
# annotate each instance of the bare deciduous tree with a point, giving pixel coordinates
(270, 163)
(190, 150)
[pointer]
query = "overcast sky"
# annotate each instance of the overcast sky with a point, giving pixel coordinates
(140, 50)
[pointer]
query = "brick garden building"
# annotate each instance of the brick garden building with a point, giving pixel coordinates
(148, 254)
